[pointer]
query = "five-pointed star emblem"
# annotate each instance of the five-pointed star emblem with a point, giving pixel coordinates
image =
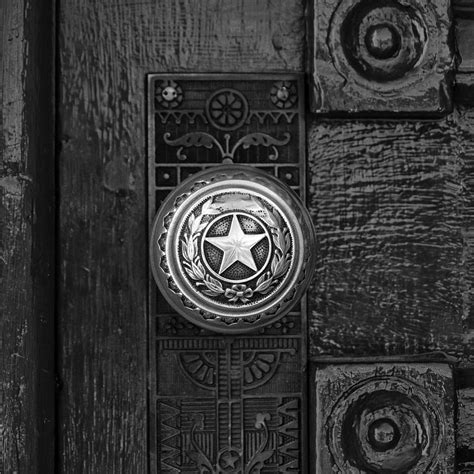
(229, 460)
(236, 246)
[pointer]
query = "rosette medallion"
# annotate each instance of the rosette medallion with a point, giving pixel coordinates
(232, 249)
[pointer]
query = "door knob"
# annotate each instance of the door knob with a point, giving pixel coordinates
(232, 248)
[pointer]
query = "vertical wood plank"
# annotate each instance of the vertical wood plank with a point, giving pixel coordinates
(27, 237)
(107, 48)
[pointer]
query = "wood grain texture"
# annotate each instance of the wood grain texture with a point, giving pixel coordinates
(393, 207)
(27, 238)
(107, 48)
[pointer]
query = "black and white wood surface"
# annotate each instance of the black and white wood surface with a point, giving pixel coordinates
(27, 237)
(391, 200)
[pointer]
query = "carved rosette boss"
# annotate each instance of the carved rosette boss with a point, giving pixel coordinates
(232, 249)
(392, 56)
(385, 418)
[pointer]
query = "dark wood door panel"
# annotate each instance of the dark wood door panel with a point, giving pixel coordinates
(393, 207)
(391, 202)
(27, 240)
(106, 50)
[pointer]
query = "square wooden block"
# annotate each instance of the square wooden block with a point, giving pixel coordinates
(392, 57)
(384, 418)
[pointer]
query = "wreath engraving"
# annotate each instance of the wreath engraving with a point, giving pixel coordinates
(212, 287)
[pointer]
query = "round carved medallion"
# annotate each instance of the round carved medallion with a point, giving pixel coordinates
(385, 424)
(227, 109)
(386, 43)
(232, 249)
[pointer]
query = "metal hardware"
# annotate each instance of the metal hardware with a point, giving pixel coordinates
(236, 402)
(232, 249)
(169, 94)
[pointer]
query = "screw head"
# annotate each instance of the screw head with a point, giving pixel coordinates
(169, 93)
(283, 93)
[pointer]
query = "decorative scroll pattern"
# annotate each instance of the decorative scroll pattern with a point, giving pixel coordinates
(198, 139)
(226, 404)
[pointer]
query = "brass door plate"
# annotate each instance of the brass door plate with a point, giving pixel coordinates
(225, 403)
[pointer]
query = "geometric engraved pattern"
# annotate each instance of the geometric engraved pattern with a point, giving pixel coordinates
(229, 423)
(220, 403)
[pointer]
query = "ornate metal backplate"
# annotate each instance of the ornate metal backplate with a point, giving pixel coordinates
(227, 403)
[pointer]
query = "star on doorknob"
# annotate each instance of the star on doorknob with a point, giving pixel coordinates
(236, 246)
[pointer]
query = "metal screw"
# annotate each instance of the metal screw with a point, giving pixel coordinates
(283, 93)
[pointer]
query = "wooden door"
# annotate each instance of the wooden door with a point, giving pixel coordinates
(385, 365)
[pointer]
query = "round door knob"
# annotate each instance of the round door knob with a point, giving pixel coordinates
(232, 249)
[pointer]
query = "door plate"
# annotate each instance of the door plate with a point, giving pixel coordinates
(225, 403)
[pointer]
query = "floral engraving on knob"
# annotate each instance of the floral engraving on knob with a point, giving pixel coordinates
(233, 255)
